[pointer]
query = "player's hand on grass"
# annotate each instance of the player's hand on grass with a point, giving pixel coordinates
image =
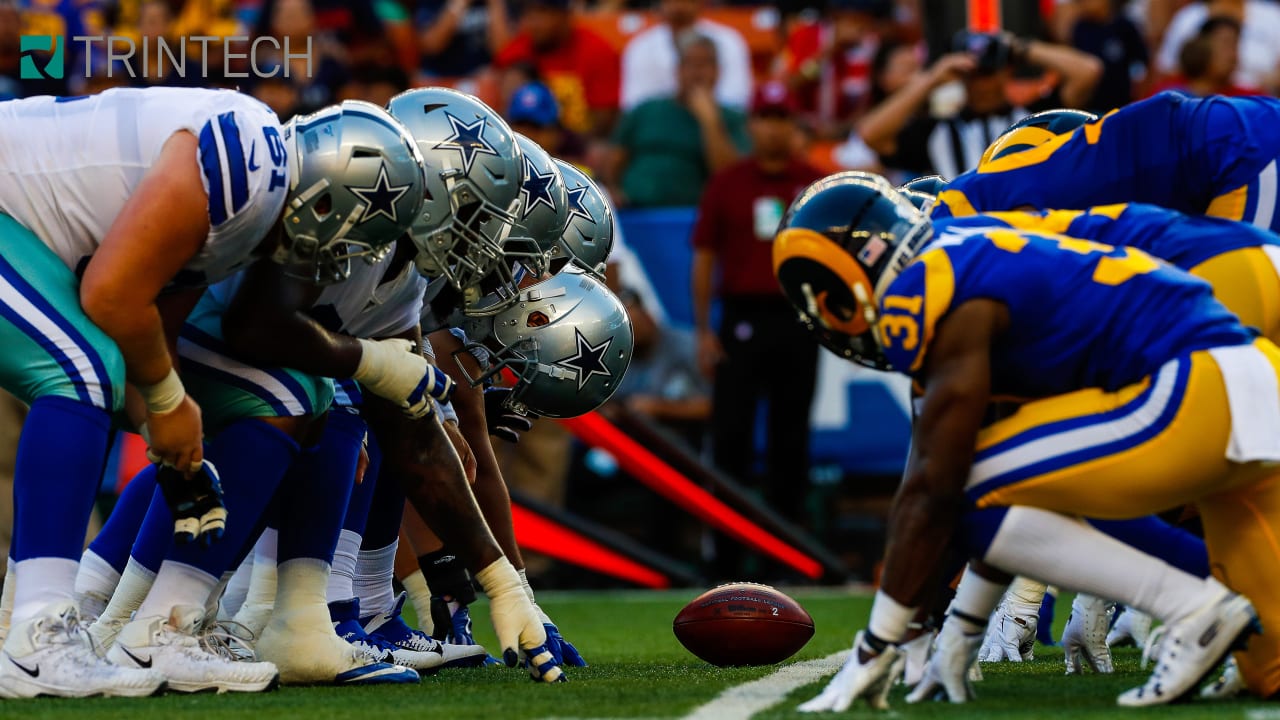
(947, 672)
(868, 673)
(562, 650)
(1084, 639)
(515, 620)
(1011, 635)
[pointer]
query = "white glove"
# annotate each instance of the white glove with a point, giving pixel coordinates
(1133, 626)
(917, 654)
(948, 669)
(1012, 633)
(1084, 639)
(870, 680)
(517, 623)
(392, 370)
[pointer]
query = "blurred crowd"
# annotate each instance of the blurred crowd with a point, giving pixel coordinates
(729, 107)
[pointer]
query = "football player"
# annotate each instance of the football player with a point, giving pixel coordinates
(1200, 156)
(116, 210)
(1131, 375)
(359, 189)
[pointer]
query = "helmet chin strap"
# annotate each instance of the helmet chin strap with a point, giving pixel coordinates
(868, 310)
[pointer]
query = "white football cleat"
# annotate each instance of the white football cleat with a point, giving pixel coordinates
(1228, 685)
(1084, 639)
(169, 645)
(1189, 650)
(50, 654)
(1131, 628)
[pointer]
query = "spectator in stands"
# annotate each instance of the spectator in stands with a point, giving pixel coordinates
(760, 353)
(829, 63)
(317, 82)
(1103, 31)
(1259, 50)
(911, 140)
(457, 38)
(665, 149)
(892, 68)
(649, 60)
(1209, 61)
(374, 83)
(533, 111)
(276, 92)
(663, 381)
(352, 24)
(579, 66)
(155, 22)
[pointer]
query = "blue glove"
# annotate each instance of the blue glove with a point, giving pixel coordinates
(196, 504)
(562, 650)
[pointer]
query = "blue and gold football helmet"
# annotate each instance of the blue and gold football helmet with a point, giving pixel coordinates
(839, 246)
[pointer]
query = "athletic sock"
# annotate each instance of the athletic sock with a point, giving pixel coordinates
(121, 529)
(62, 453)
(372, 582)
(316, 491)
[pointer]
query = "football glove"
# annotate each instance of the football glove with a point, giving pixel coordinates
(1012, 633)
(394, 370)
(503, 422)
(196, 504)
(1084, 639)
(870, 679)
(947, 672)
(519, 629)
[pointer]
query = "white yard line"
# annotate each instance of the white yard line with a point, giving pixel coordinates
(742, 701)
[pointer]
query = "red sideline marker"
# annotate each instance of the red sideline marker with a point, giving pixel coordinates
(539, 534)
(660, 477)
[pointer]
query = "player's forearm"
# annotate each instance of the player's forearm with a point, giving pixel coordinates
(139, 334)
(294, 341)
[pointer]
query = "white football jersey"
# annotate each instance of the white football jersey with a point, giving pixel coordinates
(68, 165)
(370, 305)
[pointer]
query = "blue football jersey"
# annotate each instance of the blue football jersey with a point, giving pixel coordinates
(1200, 156)
(1184, 241)
(1082, 314)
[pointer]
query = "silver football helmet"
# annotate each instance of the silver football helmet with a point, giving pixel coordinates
(544, 209)
(473, 174)
(588, 238)
(356, 184)
(568, 341)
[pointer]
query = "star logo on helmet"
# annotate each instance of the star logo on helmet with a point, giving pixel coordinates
(536, 189)
(576, 207)
(380, 199)
(468, 140)
(588, 360)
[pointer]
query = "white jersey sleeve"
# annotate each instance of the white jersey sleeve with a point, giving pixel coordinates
(68, 165)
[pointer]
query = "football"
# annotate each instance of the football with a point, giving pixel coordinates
(743, 624)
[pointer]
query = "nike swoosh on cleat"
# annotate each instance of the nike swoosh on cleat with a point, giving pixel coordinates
(1208, 635)
(141, 663)
(33, 673)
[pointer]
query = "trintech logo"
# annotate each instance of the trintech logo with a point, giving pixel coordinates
(40, 48)
(43, 56)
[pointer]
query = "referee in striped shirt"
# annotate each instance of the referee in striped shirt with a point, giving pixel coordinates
(908, 138)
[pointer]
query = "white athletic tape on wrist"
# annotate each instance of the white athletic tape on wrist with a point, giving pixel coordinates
(976, 597)
(165, 395)
(889, 618)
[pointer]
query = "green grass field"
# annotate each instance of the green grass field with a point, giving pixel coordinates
(638, 669)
